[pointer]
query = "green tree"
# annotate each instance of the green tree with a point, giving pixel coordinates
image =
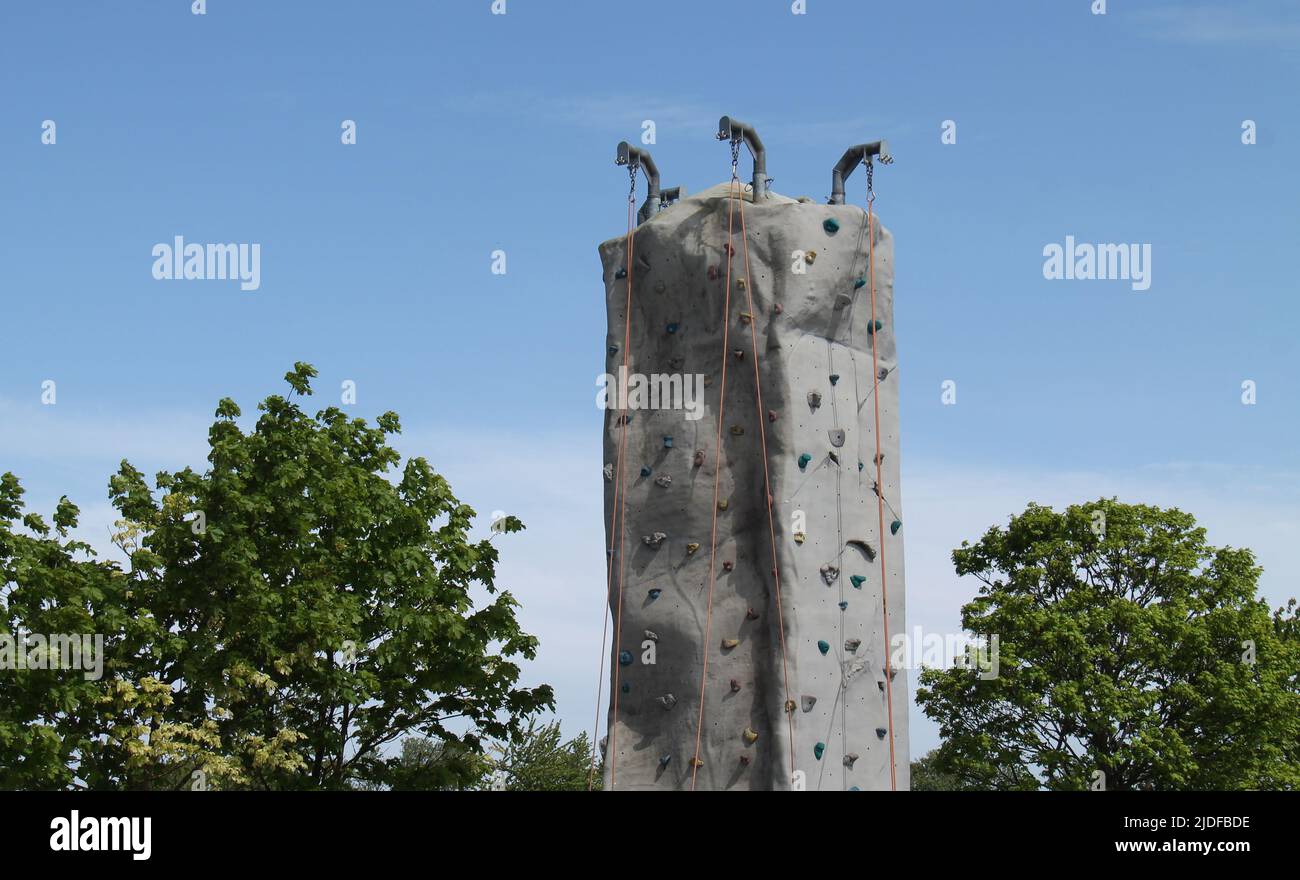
(540, 760)
(287, 614)
(1127, 645)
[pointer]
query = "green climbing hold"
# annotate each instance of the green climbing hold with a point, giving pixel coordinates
(895, 526)
(621, 273)
(835, 377)
(624, 658)
(831, 225)
(803, 460)
(823, 646)
(861, 465)
(873, 326)
(818, 750)
(858, 581)
(859, 284)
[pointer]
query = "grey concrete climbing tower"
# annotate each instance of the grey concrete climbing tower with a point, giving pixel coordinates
(796, 695)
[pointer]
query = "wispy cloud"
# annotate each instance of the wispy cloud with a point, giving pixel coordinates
(1239, 24)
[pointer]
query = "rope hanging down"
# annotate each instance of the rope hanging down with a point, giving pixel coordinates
(880, 491)
(617, 517)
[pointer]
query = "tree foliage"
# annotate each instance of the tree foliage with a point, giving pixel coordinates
(286, 615)
(1129, 646)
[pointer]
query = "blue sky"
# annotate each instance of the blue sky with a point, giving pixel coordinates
(478, 132)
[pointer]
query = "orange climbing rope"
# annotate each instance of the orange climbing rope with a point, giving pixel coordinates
(617, 512)
(880, 490)
(717, 473)
(767, 481)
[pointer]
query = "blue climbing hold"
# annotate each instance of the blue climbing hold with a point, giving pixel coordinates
(831, 225)
(857, 581)
(672, 328)
(873, 326)
(880, 732)
(835, 377)
(668, 442)
(895, 526)
(645, 470)
(844, 606)
(854, 788)
(613, 349)
(859, 284)
(818, 750)
(624, 658)
(823, 646)
(621, 273)
(861, 465)
(803, 460)
(664, 759)
(655, 594)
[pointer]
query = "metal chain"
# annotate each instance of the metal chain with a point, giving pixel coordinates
(631, 176)
(735, 155)
(871, 192)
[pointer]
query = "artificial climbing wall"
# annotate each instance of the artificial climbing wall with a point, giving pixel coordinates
(811, 313)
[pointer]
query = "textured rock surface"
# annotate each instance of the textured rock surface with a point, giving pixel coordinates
(809, 327)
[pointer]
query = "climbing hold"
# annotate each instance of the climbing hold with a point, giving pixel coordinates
(651, 635)
(835, 377)
(676, 363)
(737, 430)
(857, 580)
(842, 300)
(833, 457)
(799, 537)
(664, 759)
(668, 442)
(852, 645)
(654, 594)
(699, 458)
(624, 419)
(723, 504)
(664, 481)
(645, 470)
(735, 686)
(613, 349)
(692, 547)
(884, 372)
(831, 225)
(860, 466)
(728, 249)
(696, 762)
(879, 458)
(751, 614)
(739, 353)
(653, 540)
(713, 273)
(829, 573)
(808, 702)
(750, 735)
(740, 282)
(621, 273)
(728, 644)
(892, 673)
(843, 605)
(624, 658)
(895, 526)
(744, 760)
(818, 750)
(660, 287)
(790, 705)
(803, 461)
(873, 326)
(728, 565)
(881, 684)
(771, 415)
(867, 550)
(837, 437)
(809, 257)
(609, 472)
(667, 701)
(814, 399)
(823, 646)
(625, 687)
(849, 759)
(746, 317)
(880, 732)
(671, 328)
(859, 284)
(777, 308)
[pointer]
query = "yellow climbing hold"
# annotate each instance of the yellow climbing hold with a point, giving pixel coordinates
(722, 505)
(799, 537)
(750, 735)
(692, 547)
(728, 644)
(809, 257)
(740, 282)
